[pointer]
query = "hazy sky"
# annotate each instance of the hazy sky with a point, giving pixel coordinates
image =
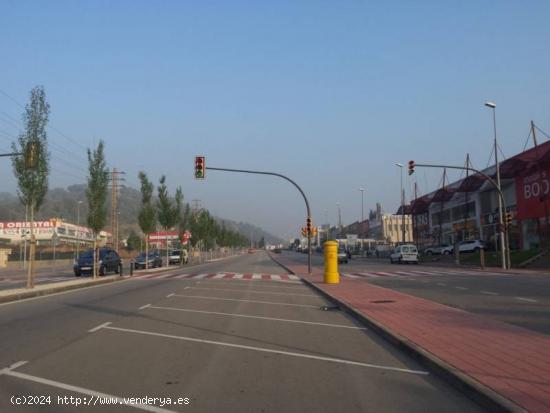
(331, 93)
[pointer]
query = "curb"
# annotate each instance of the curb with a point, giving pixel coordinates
(476, 391)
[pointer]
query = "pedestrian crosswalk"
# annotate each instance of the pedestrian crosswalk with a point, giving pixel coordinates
(418, 273)
(221, 276)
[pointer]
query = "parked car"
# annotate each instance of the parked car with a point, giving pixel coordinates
(430, 250)
(175, 257)
(251, 251)
(342, 256)
(471, 246)
(404, 253)
(445, 249)
(108, 258)
(153, 257)
(277, 250)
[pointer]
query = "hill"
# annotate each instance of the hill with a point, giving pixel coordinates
(63, 203)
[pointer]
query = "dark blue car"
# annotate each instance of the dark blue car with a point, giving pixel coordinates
(109, 260)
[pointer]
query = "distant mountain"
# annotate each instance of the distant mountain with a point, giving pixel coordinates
(63, 203)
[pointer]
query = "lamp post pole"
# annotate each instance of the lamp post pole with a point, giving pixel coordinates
(78, 228)
(362, 218)
(497, 166)
(402, 205)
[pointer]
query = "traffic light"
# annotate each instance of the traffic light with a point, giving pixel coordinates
(31, 155)
(411, 167)
(200, 167)
(508, 219)
(308, 226)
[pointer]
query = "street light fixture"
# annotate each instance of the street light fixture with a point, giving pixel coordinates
(400, 165)
(497, 167)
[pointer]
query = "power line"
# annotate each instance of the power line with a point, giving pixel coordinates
(51, 126)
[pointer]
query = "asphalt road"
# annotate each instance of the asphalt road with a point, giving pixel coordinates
(220, 344)
(517, 298)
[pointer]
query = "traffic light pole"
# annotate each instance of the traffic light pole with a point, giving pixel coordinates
(293, 183)
(506, 264)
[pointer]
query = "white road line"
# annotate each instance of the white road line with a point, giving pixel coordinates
(82, 390)
(185, 288)
(257, 317)
(267, 350)
(529, 300)
(351, 275)
(279, 285)
(249, 291)
(144, 306)
(99, 327)
(244, 301)
(170, 295)
(488, 292)
(461, 288)
(200, 276)
(13, 366)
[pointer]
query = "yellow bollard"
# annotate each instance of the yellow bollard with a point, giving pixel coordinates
(331, 263)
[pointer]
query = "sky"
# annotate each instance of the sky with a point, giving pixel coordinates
(329, 93)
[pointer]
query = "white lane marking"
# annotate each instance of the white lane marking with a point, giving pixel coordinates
(99, 327)
(82, 390)
(185, 288)
(13, 366)
(279, 285)
(170, 295)
(441, 284)
(250, 291)
(267, 350)
(351, 275)
(488, 292)
(257, 317)
(529, 300)
(461, 288)
(144, 306)
(389, 274)
(244, 301)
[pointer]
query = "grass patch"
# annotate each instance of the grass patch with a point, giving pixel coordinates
(493, 259)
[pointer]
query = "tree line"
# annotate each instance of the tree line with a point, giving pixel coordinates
(31, 167)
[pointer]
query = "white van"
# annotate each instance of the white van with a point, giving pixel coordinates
(404, 253)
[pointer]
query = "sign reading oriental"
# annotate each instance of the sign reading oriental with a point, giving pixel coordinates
(533, 195)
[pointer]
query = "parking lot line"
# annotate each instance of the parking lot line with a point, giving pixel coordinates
(529, 300)
(251, 291)
(99, 327)
(267, 350)
(95, 394)
(244, 301)
(286, 320)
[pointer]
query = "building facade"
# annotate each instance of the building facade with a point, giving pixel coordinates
(389, 228)
(468, 208)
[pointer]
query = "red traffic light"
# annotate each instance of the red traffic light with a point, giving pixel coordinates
(411, 167)
(200, 167)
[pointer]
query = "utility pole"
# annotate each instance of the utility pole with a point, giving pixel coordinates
(115, 179)
(78, 228)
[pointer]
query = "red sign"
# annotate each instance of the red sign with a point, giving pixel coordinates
(533, 195)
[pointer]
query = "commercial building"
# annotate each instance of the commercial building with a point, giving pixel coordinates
(468, 208)
(389, 228)
(46, 232)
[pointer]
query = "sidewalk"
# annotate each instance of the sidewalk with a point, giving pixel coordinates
(499, 364)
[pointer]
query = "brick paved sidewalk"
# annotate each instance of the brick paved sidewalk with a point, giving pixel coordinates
(511, 361)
